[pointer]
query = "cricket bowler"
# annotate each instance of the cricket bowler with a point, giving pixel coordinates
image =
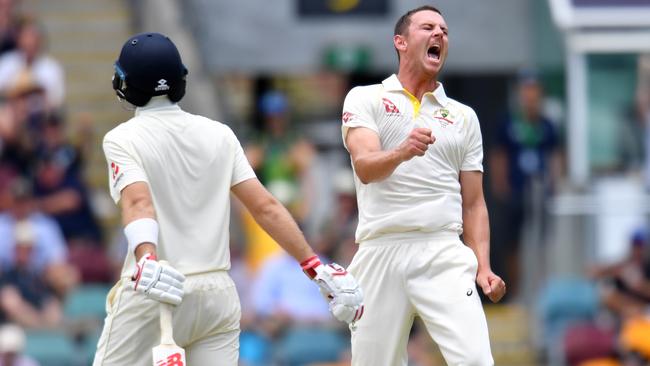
(417, 157)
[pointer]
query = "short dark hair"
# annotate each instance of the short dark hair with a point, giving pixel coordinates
(405, 20)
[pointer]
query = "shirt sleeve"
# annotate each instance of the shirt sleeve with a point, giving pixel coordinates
(242, 169)
(358, 111)
(123, 169)
(473, 160)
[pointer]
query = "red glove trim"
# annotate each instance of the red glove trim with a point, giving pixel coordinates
(358, 314)
(309, 266)
(138, 268)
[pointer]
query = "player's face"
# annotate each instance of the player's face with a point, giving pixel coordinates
(426, 41)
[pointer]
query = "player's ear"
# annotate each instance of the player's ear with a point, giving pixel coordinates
(400, 42)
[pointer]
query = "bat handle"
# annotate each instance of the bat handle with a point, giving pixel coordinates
(166, 331)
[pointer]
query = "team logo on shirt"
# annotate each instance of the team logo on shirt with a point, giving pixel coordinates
(389, 106)
(441, 115)
(347, 116)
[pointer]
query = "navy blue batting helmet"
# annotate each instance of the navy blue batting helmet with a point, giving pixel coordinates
(149, 65)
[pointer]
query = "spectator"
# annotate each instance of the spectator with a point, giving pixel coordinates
(25, 297)
(61, 194)
(279, 157)
(30, 56)
(59, 187)
(526, 153)
(625, 285)
(280, 161)
(21, 120)
(12, 344)
(49, 252)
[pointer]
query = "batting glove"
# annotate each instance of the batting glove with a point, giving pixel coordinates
(339, 287)
(157, 281)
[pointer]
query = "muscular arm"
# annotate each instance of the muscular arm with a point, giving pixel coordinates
(476, 232)
(273, 217)
(371, 163)
(136, 204)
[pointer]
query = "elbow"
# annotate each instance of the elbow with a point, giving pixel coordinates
(140, 206)
(364, 178)
(362, 173)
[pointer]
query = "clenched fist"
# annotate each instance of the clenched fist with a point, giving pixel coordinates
(416, 144)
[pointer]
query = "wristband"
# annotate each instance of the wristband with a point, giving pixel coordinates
(309, 265)
(141, 231)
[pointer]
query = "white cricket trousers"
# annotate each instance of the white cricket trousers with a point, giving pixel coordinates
(431, 276)
(206, 324)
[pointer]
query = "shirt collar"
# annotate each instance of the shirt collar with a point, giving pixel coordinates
(157, 103)
(392, 83)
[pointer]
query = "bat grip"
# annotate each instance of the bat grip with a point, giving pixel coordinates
(166, 331)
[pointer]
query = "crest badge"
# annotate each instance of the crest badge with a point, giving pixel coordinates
(441, 116)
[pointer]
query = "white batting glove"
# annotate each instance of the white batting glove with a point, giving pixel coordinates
(157, 281)
(339, 287)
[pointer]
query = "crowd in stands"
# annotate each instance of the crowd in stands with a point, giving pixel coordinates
(51, 243)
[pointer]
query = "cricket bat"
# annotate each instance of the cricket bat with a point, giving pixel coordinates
(167, 353)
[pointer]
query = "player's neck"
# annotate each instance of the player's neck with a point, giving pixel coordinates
(417, 83)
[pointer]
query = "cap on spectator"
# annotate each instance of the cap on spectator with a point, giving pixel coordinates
(12, 339)
(24, 233)
(273, 103)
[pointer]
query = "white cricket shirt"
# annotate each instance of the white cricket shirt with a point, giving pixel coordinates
(190, 163)
(423, 194)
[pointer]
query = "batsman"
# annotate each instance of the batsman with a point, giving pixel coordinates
(172, 173)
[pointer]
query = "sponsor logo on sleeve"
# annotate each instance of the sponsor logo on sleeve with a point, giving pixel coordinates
(347, 117)
(389, 106)
(115, 169)
(116, 173)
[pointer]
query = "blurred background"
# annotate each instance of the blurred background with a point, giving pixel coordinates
(562, 90)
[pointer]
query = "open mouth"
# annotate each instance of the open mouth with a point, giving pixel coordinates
(433, 52)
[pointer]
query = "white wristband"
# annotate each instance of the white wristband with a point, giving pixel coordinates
(141, 231)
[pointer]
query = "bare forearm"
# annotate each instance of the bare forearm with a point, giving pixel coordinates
(278, 223)
(377, 166)
(476, 233)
